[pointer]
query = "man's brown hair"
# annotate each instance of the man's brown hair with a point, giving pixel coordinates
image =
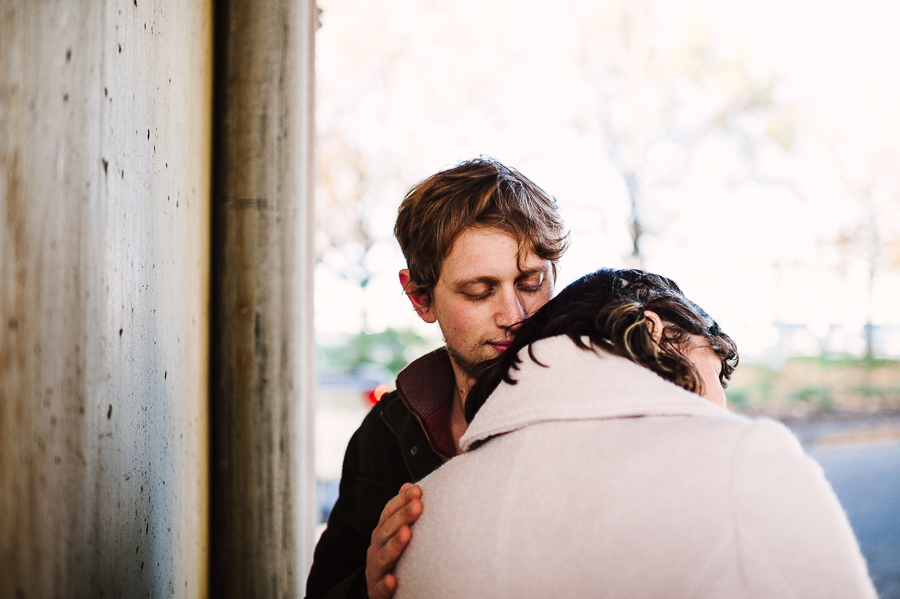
(477, 193)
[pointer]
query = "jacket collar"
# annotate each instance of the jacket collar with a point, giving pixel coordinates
(426, 386)
(579, 384)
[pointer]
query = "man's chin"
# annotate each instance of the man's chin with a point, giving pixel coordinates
(474, 365)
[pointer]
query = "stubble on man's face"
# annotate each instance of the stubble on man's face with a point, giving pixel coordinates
(470, 365)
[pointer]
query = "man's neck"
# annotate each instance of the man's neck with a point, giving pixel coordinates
(458, 424)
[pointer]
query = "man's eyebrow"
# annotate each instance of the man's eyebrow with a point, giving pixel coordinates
(476, 280)
(527, 272)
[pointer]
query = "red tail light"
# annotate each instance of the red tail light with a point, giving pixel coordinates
(374, 396)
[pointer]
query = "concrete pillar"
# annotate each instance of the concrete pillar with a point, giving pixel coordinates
(262, 343)
(105, 128)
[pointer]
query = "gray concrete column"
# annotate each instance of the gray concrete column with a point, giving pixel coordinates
(262, 339)
(105, 129)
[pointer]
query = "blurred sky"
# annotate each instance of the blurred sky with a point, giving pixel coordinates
(747, 219)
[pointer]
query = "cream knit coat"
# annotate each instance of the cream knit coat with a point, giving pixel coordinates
(597, 478)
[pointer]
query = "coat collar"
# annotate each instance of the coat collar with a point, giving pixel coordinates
(579, 384)
(426, 386)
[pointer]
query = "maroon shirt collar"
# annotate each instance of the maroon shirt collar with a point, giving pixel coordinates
(427, 386)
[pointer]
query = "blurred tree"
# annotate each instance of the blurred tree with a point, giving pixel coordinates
(350, 199)
(358, 187)
(661, 94)
(871, 179)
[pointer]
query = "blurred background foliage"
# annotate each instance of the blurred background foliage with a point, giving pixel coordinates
(391, 349)
(749, 151)
(807, 386)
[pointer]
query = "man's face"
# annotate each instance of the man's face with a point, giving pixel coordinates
(481, 295)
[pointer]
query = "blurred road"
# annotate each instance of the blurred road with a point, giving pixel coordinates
(866, 478)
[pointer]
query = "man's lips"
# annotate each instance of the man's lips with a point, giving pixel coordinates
(500, 345)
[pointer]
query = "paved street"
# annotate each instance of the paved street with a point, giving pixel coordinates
(866, 478)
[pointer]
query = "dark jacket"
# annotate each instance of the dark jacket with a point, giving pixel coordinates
(405, 437)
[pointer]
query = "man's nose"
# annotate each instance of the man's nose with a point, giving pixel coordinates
(511, 311)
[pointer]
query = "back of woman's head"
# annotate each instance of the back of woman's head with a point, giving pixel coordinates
(608, 309)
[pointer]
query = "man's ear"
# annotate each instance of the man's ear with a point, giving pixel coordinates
(655, 324)
(419, 302)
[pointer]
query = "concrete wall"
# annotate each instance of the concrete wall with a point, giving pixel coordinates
(262, 344)
(105, 127)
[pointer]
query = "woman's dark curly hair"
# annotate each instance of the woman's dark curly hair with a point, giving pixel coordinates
(608, 308)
